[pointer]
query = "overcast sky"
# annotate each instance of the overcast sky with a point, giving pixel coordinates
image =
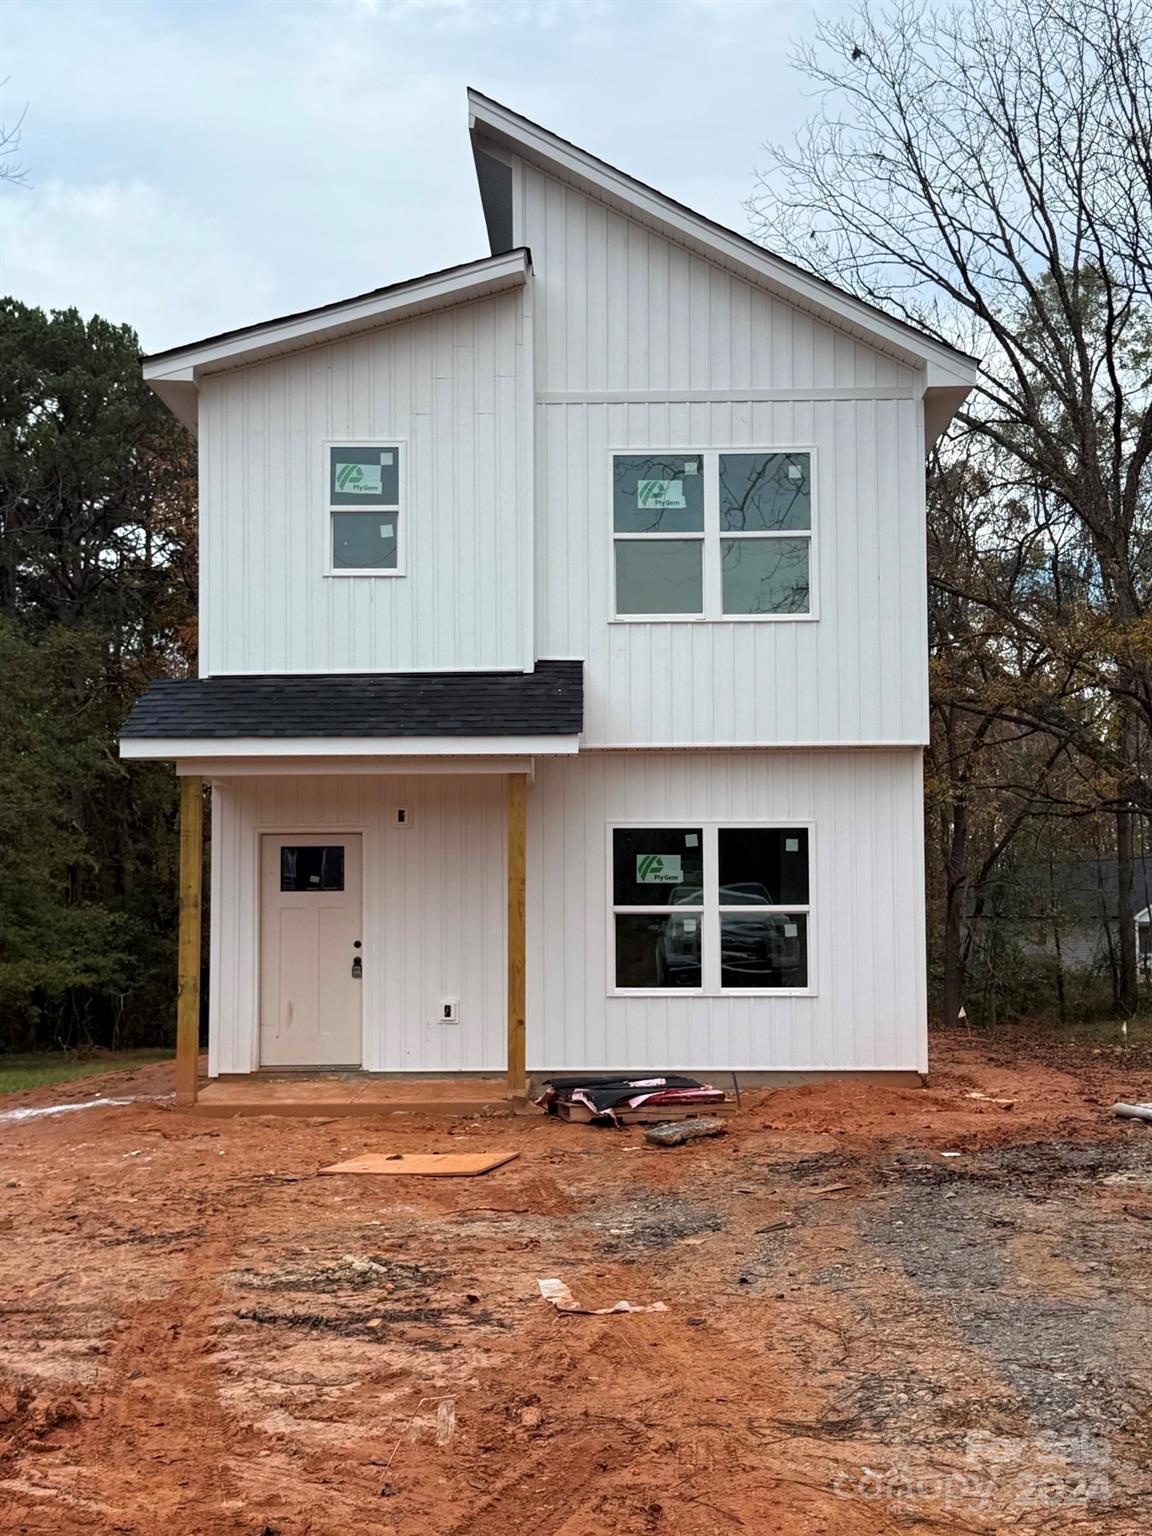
(200, 164)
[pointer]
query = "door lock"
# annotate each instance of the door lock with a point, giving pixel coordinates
(357, 968)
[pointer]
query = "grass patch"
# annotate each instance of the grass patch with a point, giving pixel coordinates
(39, 1069)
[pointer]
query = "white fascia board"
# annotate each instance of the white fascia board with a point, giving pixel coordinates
(489, 121)
(318, 748)
(478, 280)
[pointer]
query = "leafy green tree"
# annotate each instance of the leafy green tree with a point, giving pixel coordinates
(97, 598)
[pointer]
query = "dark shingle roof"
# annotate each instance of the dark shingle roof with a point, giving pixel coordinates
(326, 309)
(546, 702)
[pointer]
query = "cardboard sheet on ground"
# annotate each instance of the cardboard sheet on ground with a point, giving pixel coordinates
(429, 1165)
(563, 1300)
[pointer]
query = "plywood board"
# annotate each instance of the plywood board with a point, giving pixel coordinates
(429, 1165)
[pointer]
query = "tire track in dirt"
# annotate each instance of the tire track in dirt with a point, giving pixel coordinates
(558, 1479)
(162, 1437)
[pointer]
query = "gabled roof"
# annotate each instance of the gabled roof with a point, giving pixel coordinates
(548, 701)
(496, 125)
(175, 373)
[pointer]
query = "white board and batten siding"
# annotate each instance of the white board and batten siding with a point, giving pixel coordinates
(434, 913)
(434, 903)
(643, 344)
(866, 937)
(454, 388)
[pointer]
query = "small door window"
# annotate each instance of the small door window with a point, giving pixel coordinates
(312, 869)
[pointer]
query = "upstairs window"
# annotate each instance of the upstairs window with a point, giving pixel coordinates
(658, 521)
(364, 508)
(713, 535)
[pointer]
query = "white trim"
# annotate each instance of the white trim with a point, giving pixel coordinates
(734, 395)
(505, 671)
(476, 280)
(215, 925)
(489, 120)
(525, 496)
(710, 910)
(711, 536)
(401, 511)
(214, 767)
(318, 748)
(751, 746)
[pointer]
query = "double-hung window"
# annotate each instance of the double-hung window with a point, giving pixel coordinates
(364, 508)
(713, 535)
(709, 908)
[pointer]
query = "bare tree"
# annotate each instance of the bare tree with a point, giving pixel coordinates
(11, 170)
(986, 172)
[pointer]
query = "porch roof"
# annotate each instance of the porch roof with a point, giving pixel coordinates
(364, 707)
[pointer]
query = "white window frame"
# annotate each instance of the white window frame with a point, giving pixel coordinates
(401, 511)
(712, 536)
(711, 911)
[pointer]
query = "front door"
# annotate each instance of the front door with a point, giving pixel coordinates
(311, 955)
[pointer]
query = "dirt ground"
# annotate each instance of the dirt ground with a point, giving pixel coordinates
(199, 1337)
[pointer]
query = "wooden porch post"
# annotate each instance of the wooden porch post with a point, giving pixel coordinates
(517, 870)
(188, 995)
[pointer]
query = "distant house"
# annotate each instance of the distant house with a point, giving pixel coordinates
(1087, 897)
(564, 678)
(1071, 910)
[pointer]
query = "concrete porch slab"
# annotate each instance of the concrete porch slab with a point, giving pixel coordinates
(335, 1096)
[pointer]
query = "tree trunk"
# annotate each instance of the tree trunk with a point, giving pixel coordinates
(1126, 998)
(1057, 943)
(956, 872)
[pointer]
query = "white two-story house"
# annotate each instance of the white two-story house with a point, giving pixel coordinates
(563, 664)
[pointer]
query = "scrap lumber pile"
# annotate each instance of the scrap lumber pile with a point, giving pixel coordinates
(646, 1100)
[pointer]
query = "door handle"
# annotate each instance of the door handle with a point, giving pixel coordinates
(357, 968)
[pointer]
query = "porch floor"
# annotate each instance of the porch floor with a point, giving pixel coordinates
(310, 1096)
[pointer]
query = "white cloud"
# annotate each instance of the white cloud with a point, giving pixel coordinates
(132, 253)
(198, 166)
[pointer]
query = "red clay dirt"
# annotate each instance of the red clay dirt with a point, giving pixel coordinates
(201, 1337)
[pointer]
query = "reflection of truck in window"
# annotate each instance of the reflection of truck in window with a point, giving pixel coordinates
(753, 950)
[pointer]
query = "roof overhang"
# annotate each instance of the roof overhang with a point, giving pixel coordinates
(175, 375)
(228, 769)
(316, 718)
(261, 754)
(949, 371)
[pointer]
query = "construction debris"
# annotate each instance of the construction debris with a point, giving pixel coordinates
(1133, 1112)
(639, 1100)
(988, 1098)
(677, 1134)
(429, 1165)
(563, 1300)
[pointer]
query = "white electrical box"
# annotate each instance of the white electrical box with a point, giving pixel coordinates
(402, 817)
(450, 1010)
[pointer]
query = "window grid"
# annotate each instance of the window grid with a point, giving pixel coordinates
(710, 911)
(713, 537)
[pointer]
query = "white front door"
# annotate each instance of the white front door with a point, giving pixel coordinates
(311, 954)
